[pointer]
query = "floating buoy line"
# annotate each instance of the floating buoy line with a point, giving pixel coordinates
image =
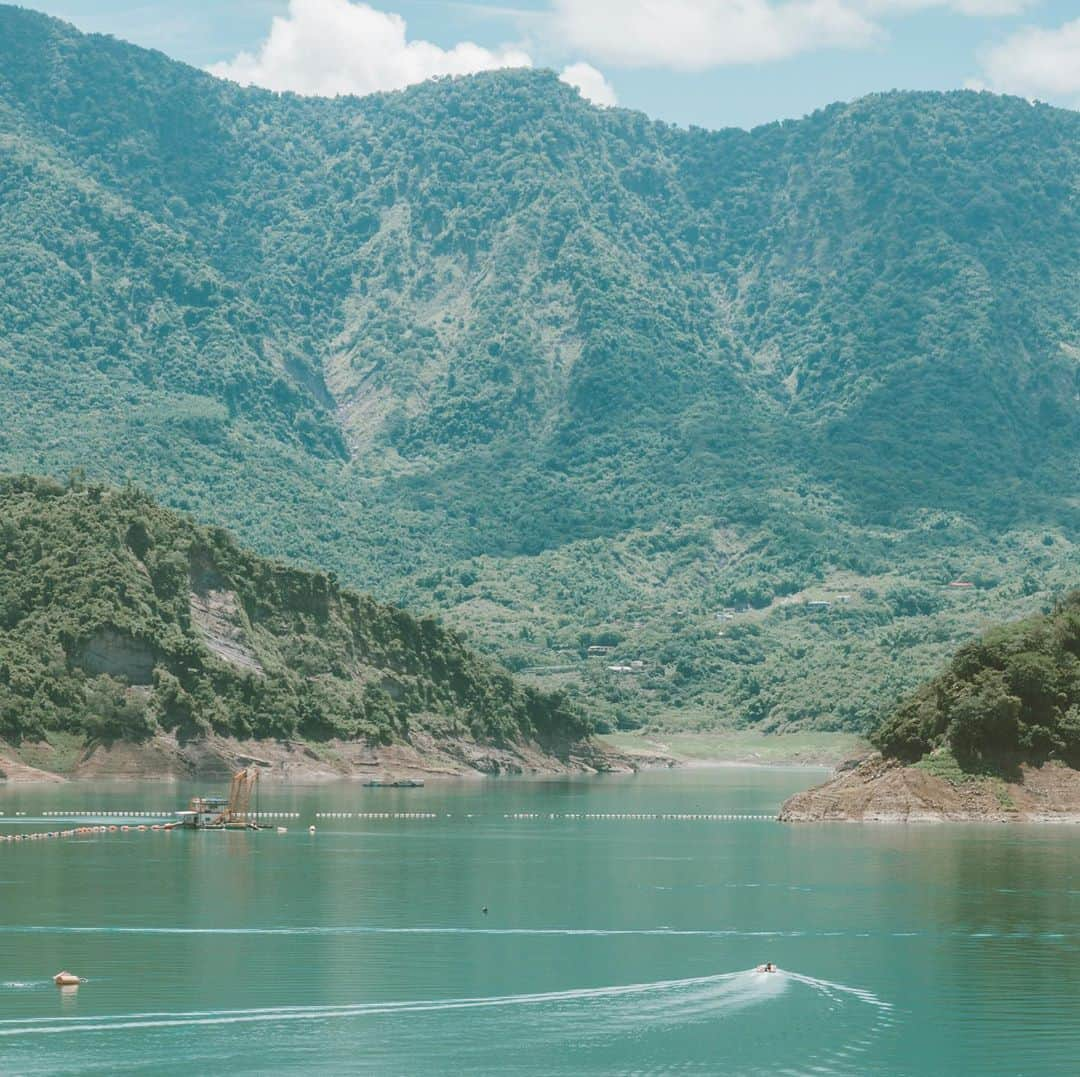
(723, 817)
(166, 814)
(79, 831)
(147, 825)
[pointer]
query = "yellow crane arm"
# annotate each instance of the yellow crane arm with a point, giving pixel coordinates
(240, 790)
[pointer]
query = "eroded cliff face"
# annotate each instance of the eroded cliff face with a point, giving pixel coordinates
(877, 790)
(118, 654)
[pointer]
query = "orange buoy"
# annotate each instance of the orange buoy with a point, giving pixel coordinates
(66, 979)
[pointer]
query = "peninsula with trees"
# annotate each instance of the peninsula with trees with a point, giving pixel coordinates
(994, 737)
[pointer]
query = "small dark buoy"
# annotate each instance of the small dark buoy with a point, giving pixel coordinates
(484, 910)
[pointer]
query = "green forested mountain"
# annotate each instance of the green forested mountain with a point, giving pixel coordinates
(1014, 692)
(119, 619)
(570, 376)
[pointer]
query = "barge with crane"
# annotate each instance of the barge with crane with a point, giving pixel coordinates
(224, 813)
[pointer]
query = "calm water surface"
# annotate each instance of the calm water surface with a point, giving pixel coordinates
(610, 946)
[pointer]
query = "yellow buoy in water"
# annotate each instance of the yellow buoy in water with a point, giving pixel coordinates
(66, 979)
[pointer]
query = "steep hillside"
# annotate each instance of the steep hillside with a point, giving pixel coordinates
(571, 376)
(995, 736)
(120, 620)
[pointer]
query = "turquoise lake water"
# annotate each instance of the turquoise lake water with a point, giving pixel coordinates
(610, 946)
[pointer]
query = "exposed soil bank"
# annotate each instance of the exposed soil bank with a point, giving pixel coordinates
(165, 757)
(884, 791)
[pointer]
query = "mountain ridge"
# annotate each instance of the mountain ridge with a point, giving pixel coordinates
(463, 346)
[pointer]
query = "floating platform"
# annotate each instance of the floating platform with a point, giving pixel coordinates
(400, 783)
(194, 820)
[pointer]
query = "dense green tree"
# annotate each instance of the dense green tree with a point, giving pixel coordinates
(1013, 693)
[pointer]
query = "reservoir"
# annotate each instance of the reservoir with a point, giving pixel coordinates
(625, 915)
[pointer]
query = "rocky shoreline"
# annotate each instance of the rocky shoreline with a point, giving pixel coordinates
(877, 790)
(164, 757)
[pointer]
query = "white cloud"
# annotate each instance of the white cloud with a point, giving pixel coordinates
(974, 8)
(692, 35)
(1037, 63)
(330, 47)
(590, 82)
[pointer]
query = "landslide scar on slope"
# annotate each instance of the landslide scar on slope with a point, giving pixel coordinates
(217, 614)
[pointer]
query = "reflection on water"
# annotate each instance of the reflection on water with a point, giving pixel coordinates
(608, 946)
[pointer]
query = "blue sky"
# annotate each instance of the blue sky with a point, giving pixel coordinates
(713, 63)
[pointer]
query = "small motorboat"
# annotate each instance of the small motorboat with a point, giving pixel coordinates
(767, 967)
(67, 979)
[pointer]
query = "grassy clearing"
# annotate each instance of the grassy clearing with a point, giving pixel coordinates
(1004, 797)
(943, 764)
(58, 754)
(741, 746)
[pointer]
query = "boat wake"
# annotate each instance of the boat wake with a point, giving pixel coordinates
(589, 932)
(700, 994)
(682, 1024)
